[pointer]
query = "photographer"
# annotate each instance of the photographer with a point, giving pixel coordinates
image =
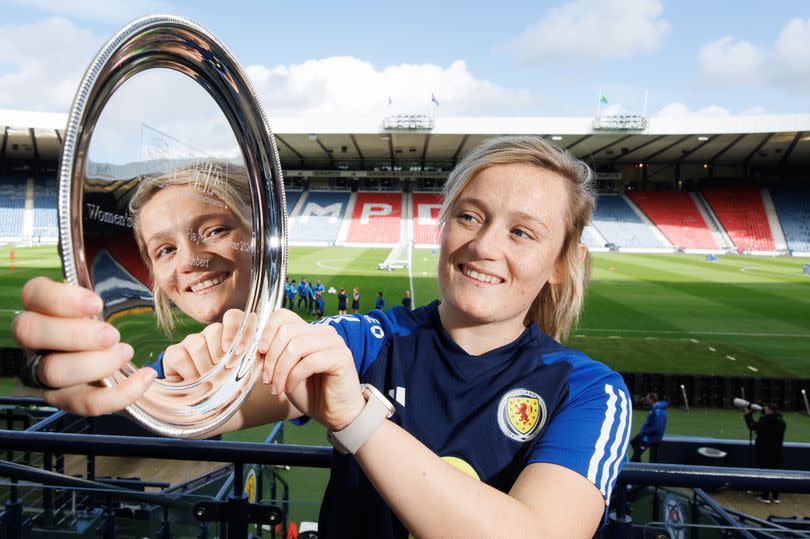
(770, 429)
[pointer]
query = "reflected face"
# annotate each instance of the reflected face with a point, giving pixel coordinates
(501, 244)
(199, 252)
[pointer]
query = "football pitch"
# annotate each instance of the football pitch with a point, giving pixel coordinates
(647, 313)
(739, 316)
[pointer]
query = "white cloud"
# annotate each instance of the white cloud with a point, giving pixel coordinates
(47, 60)
(592, 29)
(119, 11)
(350, 87)
(790, 54)
(730, 62)
(679, 110)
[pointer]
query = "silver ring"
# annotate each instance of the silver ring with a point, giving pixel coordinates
(28, 375)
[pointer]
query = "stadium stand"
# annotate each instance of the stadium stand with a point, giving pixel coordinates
(793, 209)
(741, 212)
(590, 237)
(620, 225)
(45, 203)
(425, 218)
(677, 217)
(320, 217)
(12, 206)
(292, 199)
(376, 219)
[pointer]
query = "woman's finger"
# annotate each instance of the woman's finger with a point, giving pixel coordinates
(197, 347)
(247, 335)
(45, 296)
(298, 346)
(72, 368)
(178, 362)
(40, 332)
(94, 401)
(213, 339)
(231, 321)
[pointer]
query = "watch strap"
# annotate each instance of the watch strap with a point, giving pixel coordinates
(355, 434)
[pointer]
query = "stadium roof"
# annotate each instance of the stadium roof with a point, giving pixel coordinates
(762, 140)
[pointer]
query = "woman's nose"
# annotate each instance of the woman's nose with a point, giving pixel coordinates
(487, 243)
(193, 257)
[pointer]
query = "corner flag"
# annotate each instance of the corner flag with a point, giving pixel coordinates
(433, 99)
(602, 99)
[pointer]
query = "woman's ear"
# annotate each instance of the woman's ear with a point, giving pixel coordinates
(559, 268)
(582, 252)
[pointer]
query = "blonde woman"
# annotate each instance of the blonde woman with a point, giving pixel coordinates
(474, 420)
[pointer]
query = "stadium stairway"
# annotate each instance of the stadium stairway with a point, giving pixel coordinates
(677, 217)
(741, 212)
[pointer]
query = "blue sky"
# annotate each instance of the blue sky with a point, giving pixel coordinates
(523, 58)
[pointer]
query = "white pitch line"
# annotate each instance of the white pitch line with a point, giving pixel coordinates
(320, 264)
(732, 358)
(753, 368)
(694, 340)
(712, 349)
(613, 337)
(675, 332)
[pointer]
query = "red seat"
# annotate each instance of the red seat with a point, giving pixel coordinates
(677, 217)
(741, 212)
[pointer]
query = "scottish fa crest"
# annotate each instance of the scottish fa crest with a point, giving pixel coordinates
(521, 414)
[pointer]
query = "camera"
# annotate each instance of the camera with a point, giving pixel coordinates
(743, 404)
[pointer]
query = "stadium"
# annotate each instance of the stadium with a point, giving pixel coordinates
(700, 291)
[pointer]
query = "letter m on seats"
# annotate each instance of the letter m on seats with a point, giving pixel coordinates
(333, 211)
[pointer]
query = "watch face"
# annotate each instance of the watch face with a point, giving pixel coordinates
(370, 391)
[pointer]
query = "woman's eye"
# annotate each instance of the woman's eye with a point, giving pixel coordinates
(163, 252)
(216, 231)
(466, 217)
(520, 233)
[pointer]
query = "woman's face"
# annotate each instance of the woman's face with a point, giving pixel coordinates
(501, 243)
(199, 251)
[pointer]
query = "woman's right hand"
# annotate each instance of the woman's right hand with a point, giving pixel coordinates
(78, 350)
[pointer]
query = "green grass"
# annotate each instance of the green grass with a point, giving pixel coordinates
(644, 313)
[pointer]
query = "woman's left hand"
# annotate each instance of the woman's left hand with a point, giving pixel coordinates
(312, 365)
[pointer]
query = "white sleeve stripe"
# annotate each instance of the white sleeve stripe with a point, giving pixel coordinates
(612, 462)
(604, 434)
(622, 454)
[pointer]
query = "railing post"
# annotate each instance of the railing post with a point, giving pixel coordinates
(694, 516)
(620, 524)
(237, 520)
(165, 529)
(47, 494)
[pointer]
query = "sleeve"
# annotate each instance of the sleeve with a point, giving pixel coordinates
(648, 426)
(590, 433)
(364, 335)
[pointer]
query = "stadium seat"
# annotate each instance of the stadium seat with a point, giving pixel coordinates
(12, 205)
(425, 218)
(45, 208)
(621, 226)
(677, 217)
(793, 209)
(376, 219)
(320, 217)
(741, 212)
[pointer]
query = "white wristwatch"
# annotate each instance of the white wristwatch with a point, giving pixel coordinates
(356, 433)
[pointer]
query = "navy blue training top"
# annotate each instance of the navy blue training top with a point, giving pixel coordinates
(532, 400)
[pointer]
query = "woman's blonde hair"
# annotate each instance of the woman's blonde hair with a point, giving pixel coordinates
(557, 307)
(218, 182)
